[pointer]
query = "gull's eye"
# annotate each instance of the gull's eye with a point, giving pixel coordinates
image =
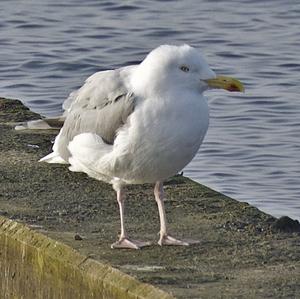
(185, 68)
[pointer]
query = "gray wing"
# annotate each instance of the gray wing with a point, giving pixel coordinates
(102, 105)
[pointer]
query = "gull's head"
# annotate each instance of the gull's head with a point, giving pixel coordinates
(182, 67)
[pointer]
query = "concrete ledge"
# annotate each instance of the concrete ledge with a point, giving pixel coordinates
(35, 266)
(243, 253)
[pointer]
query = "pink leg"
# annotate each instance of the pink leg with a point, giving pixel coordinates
(165, 238)
(124, 241)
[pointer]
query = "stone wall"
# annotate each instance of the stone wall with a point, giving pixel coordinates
(35, 266)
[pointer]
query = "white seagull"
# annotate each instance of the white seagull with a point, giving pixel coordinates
(140, 124)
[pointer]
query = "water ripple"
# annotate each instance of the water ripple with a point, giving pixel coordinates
(252, 148)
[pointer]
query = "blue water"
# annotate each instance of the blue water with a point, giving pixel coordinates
(252, 149)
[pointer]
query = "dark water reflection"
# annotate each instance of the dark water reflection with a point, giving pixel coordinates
(252, 148)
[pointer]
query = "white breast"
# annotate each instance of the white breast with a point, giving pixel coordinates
(161, 139)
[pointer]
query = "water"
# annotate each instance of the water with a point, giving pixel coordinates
(252, 148)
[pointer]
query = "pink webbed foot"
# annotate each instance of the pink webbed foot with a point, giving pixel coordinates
(125, 243)
(168, 240)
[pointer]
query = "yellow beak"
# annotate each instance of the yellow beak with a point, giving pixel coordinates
(227, 83)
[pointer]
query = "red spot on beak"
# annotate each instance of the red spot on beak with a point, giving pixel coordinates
(233, 87)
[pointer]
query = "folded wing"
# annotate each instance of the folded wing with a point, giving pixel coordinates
(101, 106)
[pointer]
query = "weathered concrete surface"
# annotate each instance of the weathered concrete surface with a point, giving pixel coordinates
(241, 255)
(35, 266)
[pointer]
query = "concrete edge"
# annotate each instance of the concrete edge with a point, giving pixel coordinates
(35, 266)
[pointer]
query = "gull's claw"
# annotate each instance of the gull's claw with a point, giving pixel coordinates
(168, 240)
(126, 243)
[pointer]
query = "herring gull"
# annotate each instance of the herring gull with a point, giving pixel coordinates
(140, 124)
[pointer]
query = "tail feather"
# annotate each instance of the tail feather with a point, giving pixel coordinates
(53, 158)
(41, 124)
